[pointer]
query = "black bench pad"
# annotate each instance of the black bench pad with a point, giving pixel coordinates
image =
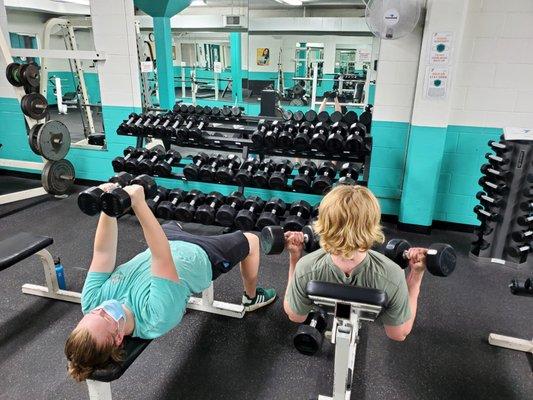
(133, 347)
(349, 293)
(20, 246)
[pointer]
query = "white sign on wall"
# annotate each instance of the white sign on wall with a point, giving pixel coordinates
(217, 67)
(436, 82)
(363, 55)
(440, 48)
(518, 134)
(147, 66)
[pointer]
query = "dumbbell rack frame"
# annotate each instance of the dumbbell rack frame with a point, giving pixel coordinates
(521, 158)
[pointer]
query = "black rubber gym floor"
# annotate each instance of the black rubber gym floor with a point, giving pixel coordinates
(447, 355)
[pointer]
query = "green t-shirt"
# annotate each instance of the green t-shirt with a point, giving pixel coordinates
(375, 271)
(157, 303)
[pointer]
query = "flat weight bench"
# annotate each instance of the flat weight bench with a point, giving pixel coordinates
(23, 245)
(349, 305)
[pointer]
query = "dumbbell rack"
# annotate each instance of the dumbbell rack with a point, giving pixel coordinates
(500, 222)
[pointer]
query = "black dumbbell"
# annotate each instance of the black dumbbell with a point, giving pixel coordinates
(522, 236)
(226, 173)
(323, 116)
(355, 142)
(143, 128)
(126, 126)
(164, 167)
(236, 111)
(489, 201)
(259, 133)
(492, 187)
(273, 239)
(191, 171)
(226, 214)
(117, 201)
(520, 252)
(129, 152)
(182, 133)
(349, 174)
(167, 208)
(205, 214)
(260, 178)
(527, 206)
(162, 194)
(274, 208)
(271, 136)
(301, 141)
(226, 111)
(246, 218)
(146, 166)
(198, 110)
(215, 111)
(324, 178)
(278, 179)
(366, 117)
(496, 160)
(150, 128)
(310, 335)
(525, 221)
(186, 209)
(207, 172)
(191, 109)
(306, 172)
(350, 118)
(171, 129)
(440, 258)
(335, 139)
(299, 213)
(485, 215)
(89, 201)
(528, 192)
(130, 164)
(498, 147)
(298, 116)
(336, 116)
(160, 129)
(207, 110)
(311, 116)
(525, 288)
(489, 169)
(243, 177)
(195, 133)
(319, 137)
(286, 136)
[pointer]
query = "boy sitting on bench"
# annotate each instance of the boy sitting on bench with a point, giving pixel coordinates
(146, 297)
(349, 225)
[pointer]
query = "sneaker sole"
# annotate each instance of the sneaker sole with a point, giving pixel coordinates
(254, 307)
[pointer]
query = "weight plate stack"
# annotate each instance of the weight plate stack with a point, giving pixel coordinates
(34, 105)
(58, 177)
(32, 138)
(53, 140)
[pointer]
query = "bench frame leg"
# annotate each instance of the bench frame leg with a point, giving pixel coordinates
(512, 343)
(51, 290)
(208, 304)
(99, 390)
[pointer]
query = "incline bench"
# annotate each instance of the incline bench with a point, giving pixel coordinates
(349, 305)
(23, 245)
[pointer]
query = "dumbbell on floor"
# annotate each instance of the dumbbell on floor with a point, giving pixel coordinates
(192, 171)
(440, 258)
(247, 217)
(117, 201)
(226, 214)
(306, 172)
(205, 214)
(324, 178)
(164, 167)
(274, 208)
(273, 239)
(186, 209)
(89, 201)
(310, 335)
(167, 208)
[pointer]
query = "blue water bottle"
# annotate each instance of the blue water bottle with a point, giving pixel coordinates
(60, 273)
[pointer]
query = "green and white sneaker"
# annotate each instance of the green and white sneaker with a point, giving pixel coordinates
(263, 297)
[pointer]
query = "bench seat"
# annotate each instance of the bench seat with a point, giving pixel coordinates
(348, 293)
(20, 246)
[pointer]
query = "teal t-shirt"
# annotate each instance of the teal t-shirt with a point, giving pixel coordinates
(157, 303)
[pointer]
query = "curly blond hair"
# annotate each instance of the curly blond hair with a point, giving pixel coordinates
(84, 355)
(349, 220)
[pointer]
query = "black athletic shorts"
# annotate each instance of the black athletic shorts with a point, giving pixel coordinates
(224, 251)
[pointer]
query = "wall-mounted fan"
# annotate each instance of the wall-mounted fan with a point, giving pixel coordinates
(392, 19)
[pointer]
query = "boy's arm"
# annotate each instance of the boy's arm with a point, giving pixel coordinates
(294, 245)
(162, 263)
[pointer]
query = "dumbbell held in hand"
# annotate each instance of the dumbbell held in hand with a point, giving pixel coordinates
(273, 239)
(117, 201)
(440, 257)
(89, 201)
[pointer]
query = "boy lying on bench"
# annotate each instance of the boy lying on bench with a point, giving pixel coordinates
(349, 225)
(147, 296)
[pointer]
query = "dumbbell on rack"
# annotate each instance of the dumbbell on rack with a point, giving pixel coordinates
(164, 167)
(486, 215)
(523, 236)
(161, 195)
(226, 213)
(243, 177)
(146, 166)
(492, 187)
(273, 239)
(299, 213)
(286, 136)
(310, 334)
(319, 137)
(260, 178)
(186, 209)
(324, 178)
(271, 136)
(126, 126)
(117, 201)
(89, 201)
(171, 129)
(167, 208)
(440, 258)
(355, 141)
(349, 174)
(258, 135)
(182, 133)
(192, 171)
(132, 164)
(525, 221)
(489, 201)
(278, 179)
(247, 217)
(129, 152)
(490, 170)
(301, 141)
(306, 172)
(205, 214)
(335, 139)
(207, 172)
(195, 133)
(226, 172)
(274, 208)
(520, 251)
(496, 160)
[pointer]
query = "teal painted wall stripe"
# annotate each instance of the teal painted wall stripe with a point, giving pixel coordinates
(235, 39)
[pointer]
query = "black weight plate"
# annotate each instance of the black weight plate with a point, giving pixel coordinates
(336, 117)
(207, 110)
(12, 74)
(272, 239)
(323, 116)
(34, 105)
(287, 115)
(350, 117)
(58, 176)
(29, 75)
(53, 140)
(298, 116)
(184, 109)
(215, 111)
(32, 138)
(311, 116)
(191, 109)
